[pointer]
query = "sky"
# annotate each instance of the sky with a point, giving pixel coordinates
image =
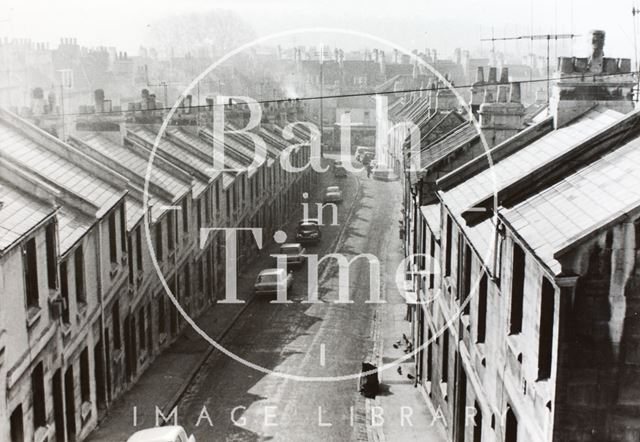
(439, 24)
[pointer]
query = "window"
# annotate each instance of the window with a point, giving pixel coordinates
(64, 291)
(139, 248)
(207, 207)
(447, 256)
(161, 315)
(482, 309)
(477, 428)
(199, 212)
(17, 425)
(217, 196)
(430, 345)
(445, 355)
(31, 274)
(130, 259)
(149, 328)
(51, 256)
(141, 331)
(159, 241)
(170, 233)
(85, 379)
(466, 279)
(115, 317)
(123, 229)
(113, 253)
(78, 262)
(432, 265)
(200, 265)
(185, 215)
(235, 197)
(228, 201)
(547, 313)
(243, 195)
(511, 428)
(187, 280)
(517, 289)
(37, 389)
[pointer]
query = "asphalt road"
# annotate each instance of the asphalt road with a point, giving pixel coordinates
(229, 401)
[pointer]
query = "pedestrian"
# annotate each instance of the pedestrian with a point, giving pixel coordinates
(368, 170)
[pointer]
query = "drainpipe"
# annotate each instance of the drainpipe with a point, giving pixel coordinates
(100, 300)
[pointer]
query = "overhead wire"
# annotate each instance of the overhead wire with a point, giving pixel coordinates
(360, 94)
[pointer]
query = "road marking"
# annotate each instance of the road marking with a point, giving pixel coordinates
(322, 355)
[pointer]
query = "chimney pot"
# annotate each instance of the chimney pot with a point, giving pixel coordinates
(515, 93)
(504, 75)
(624, 65)
(493, 74)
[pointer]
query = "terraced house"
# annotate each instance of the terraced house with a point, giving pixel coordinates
(528, 280)
(81, 299)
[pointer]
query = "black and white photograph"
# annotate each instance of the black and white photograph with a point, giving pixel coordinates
(297, 221)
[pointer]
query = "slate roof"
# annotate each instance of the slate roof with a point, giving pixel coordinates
(531, 157)
(459, 137)
(19, 214)
(579, 204)
(28, 154)
(520, 163)
(165, 146)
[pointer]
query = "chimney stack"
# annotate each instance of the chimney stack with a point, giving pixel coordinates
(477, 91)
(504, 118)
(98, 97)
(504, 75)
(383, 64)
(586, 82)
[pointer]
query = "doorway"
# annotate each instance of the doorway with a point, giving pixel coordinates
(58, 406)
(70, 404)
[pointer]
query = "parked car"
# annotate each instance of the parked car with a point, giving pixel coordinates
(333, 194)
(339, 170)
(270, 280)
(363, 152)
(308, 232)
(294, 252)
(309, 220)
(173, 433)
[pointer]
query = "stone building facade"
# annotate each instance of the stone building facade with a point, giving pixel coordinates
(83, 312)
(526, 267)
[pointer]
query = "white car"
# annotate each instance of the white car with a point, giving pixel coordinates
(294, 252)
(270, 280)
(333, 194)
(173, 433)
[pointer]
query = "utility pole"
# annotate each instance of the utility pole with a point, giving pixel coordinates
(635, 11)
(321, 104)
(547, 37)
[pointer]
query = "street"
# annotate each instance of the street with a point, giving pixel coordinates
(325, 339)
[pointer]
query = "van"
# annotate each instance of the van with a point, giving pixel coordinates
(171, 433)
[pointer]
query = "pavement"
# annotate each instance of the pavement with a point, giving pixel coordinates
(400, 412)
(258, 394)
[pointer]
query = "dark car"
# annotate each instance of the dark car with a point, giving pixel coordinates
(339, 171)
(308, 232)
